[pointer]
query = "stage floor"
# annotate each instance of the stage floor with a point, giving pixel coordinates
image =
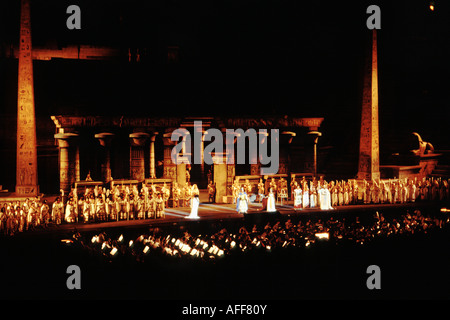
(214, 211)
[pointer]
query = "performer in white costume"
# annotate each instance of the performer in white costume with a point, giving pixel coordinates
(271, 202)
(305, 196)
(325, 198)
(297, 197)
(69, 216)
(313, 196)
(195, 201)
(242, 202)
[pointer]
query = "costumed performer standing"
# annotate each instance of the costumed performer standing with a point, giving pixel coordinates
(298, 196)
(242, 202)
(271, 202)
(195, 201)
(305, 195)
(324, 197)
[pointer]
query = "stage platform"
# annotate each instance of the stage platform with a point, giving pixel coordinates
(211, 212)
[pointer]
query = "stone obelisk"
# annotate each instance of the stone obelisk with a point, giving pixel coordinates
(26, 160)
(368, 167)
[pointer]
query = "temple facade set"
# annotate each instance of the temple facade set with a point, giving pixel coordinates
(140, 147)
(139, 140)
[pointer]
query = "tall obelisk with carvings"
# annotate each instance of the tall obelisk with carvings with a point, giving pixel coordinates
(26, 160)
(369, 153)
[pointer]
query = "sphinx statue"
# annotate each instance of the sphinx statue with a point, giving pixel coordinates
(424, 147)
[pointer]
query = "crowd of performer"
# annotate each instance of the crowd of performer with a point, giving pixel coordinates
(271, 236)
(94, 205)
(125, 202)
(327, 195)
(18, 217)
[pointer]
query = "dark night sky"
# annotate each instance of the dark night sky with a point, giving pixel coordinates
(254, 57)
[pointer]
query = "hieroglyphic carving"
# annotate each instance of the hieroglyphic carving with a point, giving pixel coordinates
(272, 122)
(137, 164)
(26, 161)
(368, 166)
(175, 122)
(130, 122)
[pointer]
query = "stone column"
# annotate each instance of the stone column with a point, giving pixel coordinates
(66, 178)
(105, 139)
(220, 176)
(152, 155)
(170, 168)
(255, 169)
(368, 166)
(229, 160)
(286, 138)
(137, 159)
(181, 174)
(77, 162)
(26, 157)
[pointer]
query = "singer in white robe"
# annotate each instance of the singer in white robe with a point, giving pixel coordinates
(242, 202)
(313, 197)
(69, 216)
(271, 202)
(305, 197)
(195, 201)
(325, 198)
(298, 195)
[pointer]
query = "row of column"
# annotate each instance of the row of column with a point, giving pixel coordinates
(70, 170)
(69, 164)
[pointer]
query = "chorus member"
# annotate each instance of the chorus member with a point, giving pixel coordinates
(346, 193)
(211, 191)
(57, 210)
(334, 194)
(271, 201)
(298, 196)
(313, 196)
(325, 198)
(305, 189)
(159, 202)
(294, 185)
(69, 216)
(45, 213)
(261, 190)
(340, 193)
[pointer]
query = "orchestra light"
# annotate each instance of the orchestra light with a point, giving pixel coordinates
(322, 235)
(113, 251)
